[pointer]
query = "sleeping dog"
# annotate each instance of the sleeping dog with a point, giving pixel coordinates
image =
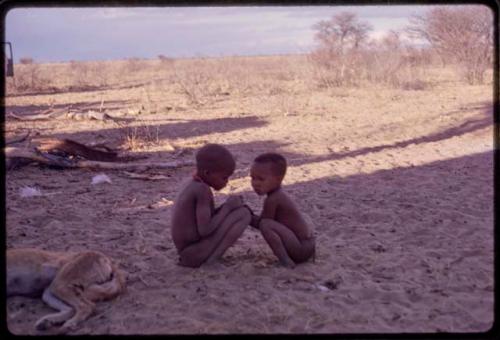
(67, 281)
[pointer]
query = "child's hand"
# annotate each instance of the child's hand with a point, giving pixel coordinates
(254, 222)
(249, 209)
(234, 202)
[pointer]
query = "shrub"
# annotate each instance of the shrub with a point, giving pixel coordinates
(26, 61)
(463, 34)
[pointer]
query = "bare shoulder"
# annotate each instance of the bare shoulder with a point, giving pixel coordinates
(195, 188)
(278, 197)
(191, 192)
(284, 201)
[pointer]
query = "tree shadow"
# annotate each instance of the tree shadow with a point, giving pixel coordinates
(245, 152)
(408, 228)
(427, 205)
(175, 130)
(468, 126)
(295, 159)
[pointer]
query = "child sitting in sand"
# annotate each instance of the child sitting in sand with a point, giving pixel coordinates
(200, 232)
(280, 223)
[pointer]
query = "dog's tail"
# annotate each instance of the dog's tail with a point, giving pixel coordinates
(109, 289)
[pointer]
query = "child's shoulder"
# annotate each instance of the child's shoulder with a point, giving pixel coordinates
(195, 187)
(277, 196)
(281, 197)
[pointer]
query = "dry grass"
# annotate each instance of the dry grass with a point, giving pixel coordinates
(202, 81)
(277, 85)
(139, 136)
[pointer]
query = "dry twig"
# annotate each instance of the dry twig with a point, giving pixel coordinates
(48, 159)
(18, 139)
(74, 148)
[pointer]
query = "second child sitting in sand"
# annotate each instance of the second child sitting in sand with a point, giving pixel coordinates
(280, 222)
(200, 232)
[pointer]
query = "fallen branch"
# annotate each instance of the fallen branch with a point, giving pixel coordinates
(89, 115)
(34, 155)
(101, 145)
(66, 113)
(18, 139)
(74, 148)
(132, 166)
(53, 160)
(47, 114)
(144, 176)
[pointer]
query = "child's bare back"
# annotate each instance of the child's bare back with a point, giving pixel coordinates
(200, 232)
(184, 213)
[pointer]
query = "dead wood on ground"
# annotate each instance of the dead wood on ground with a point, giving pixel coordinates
(73, 148)
(53, 160)
(44, 115)
(68, 113)
(18, 139)
(144, 176)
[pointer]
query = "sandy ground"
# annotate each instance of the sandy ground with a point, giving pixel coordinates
(398, 183)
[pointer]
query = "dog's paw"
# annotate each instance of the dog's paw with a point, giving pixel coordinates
(68, 326)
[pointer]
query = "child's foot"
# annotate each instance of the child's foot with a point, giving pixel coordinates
(214, 265)
(211, 262)
(288, 263)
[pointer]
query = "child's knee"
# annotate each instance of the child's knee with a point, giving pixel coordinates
(265, 224)
(246, 215)
(243, 214)
(189, 261)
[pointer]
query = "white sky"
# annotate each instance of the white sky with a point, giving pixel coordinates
(104, 33)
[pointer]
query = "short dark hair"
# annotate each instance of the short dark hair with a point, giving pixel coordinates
(278, 162)
(214, 157)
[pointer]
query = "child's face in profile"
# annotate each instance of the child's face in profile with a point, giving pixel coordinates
(263, 178)
(218, 179)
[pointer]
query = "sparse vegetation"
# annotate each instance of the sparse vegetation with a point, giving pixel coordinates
(166, 61)
(341, 44)
(29, 77)
(345, 57)
(26, 61)
(461, 34)
(352, 61)
(133, 65)
(138, 137)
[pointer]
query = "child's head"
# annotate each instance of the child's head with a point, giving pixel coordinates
(214, 165)
(267, 172)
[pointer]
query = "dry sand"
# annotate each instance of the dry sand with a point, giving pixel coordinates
(399, 184)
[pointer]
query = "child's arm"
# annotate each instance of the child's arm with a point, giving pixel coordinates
(254, 222)
(205, 221)
(269, 208)
(268, 211)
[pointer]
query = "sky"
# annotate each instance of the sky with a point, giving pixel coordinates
(108, 33)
